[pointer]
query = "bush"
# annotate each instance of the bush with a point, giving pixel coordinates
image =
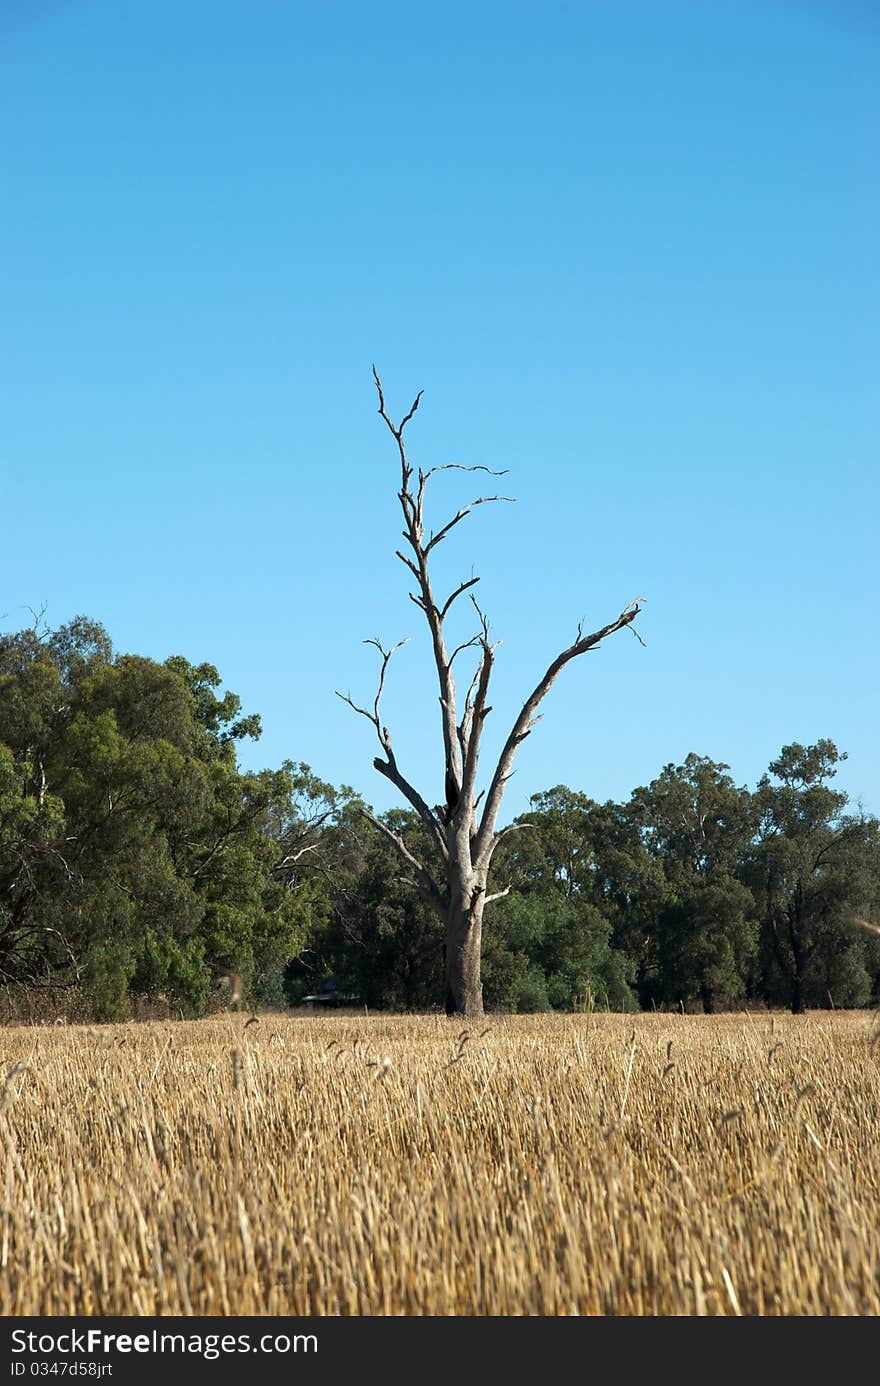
(109, 971)
(531, 991)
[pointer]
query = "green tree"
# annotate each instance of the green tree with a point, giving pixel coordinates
(813, 870)
(557, 922)
(32, 833)
(696, 824)
(38, 847)
(558, 955)
(135, 856)
(377, 939)
(251, 866)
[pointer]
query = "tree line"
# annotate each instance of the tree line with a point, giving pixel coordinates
(140, 864)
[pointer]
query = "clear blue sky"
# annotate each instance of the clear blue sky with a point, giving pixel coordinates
(628, 250)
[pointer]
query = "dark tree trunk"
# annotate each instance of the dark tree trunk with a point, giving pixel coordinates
(10, 935)
(464, 928)
(798, 952)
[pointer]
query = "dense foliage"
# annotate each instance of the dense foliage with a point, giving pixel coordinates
(139, 864)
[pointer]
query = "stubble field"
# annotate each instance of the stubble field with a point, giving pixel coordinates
(584, 1164)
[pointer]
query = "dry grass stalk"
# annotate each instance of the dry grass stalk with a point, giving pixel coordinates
(394, 1165)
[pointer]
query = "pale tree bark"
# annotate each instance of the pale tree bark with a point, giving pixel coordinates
(463, 835)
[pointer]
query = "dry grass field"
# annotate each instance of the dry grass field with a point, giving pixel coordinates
(582, 1164)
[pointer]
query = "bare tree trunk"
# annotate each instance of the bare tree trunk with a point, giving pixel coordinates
(464, 931)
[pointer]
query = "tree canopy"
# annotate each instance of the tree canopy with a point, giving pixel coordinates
(140, 865)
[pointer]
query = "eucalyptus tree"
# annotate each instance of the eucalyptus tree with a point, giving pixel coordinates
(698, 824)
(815, 872)
(462, 829)
(136, 857)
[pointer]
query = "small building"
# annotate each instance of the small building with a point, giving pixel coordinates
(331, 997)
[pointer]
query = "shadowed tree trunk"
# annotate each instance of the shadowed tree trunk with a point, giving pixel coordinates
(464, 840)
(799, 953)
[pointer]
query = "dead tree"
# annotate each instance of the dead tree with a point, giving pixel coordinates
(464, 838)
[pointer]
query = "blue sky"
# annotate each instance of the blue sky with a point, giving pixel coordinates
(629, 252)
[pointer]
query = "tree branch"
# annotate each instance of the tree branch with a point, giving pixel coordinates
(465, 645)
(424, 880)
(389, 767)
(475, 712)
(528, 716)
(499, 895)
(382, 732)
(409, 563)
(456, 519)
(462, 587)
(391, 772)
(511, 828)
(414, 534)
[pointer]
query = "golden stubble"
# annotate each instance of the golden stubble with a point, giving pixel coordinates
(401, 1165)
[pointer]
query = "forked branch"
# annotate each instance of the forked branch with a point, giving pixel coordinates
(389, 767)
(382, 732)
